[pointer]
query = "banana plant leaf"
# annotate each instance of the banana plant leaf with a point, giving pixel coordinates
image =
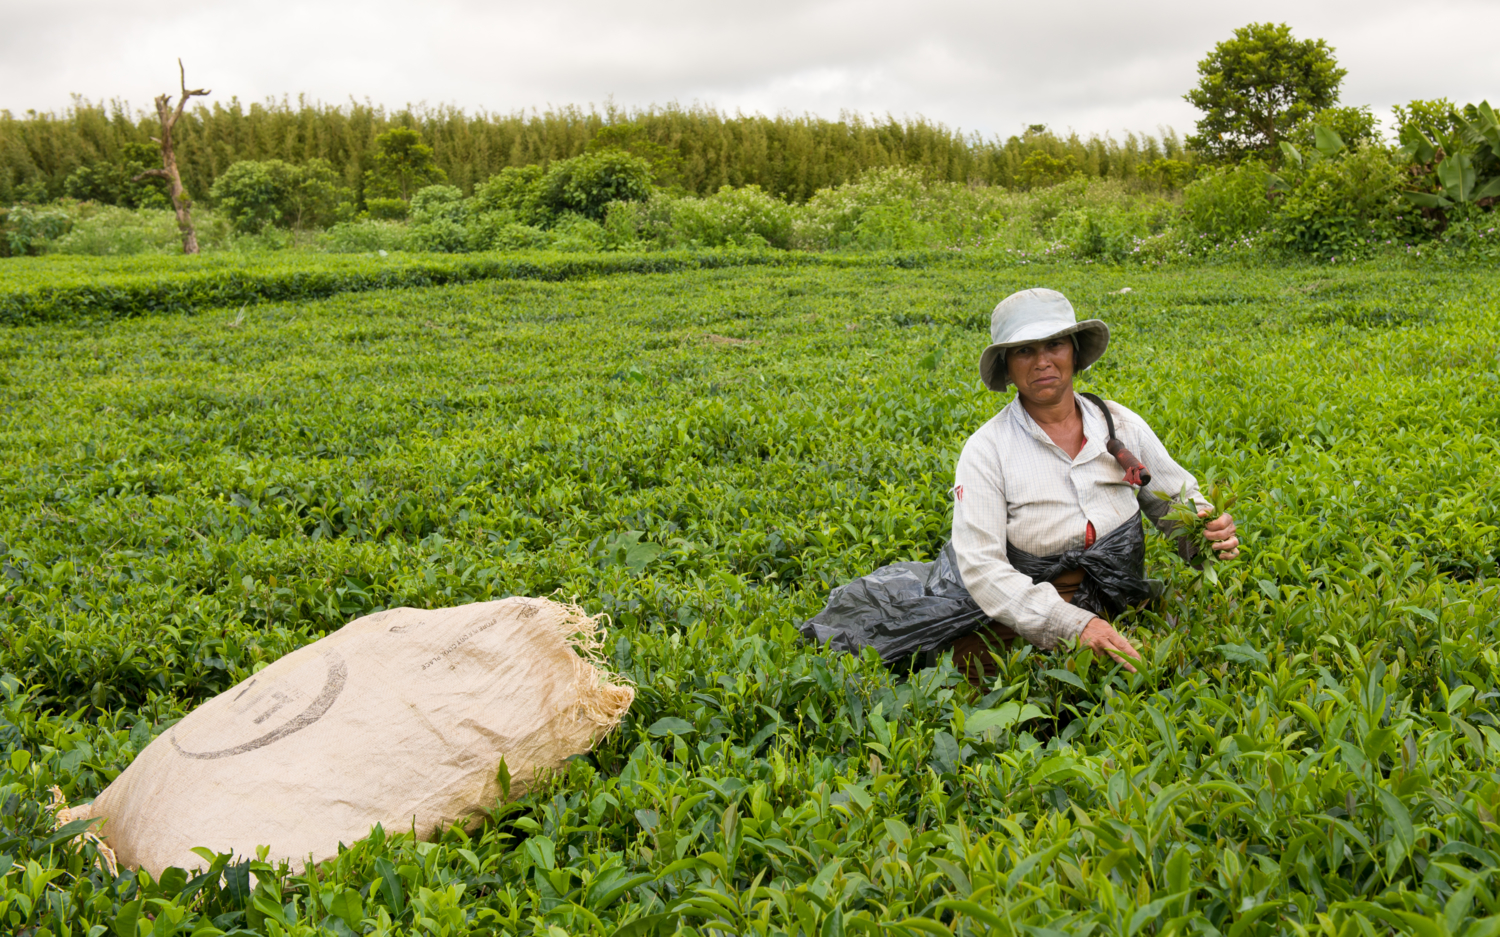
(1480, 127)
(1416, 146)
(1327, 141)
(1490, 189)
(1427, 200)
(1292, 154)
(1456, 173)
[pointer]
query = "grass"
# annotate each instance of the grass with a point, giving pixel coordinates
(1312, 748)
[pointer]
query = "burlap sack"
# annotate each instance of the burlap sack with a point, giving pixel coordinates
(399, 718)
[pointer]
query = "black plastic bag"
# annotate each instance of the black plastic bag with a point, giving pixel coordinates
(899, 610)
(906, 608)
(1114, 570)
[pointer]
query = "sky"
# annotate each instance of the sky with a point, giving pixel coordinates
(1094, 66)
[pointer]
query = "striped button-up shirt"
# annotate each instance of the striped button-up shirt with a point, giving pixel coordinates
(1015, 485)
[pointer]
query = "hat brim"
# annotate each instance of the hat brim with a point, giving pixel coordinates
(1093, 338)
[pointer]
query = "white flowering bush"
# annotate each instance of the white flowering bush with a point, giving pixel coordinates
(107, 230)
(743, 217)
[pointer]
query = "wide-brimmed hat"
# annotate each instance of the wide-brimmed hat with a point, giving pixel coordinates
(1036, 316)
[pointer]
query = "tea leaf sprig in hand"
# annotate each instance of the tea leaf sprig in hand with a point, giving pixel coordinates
(1184, 514)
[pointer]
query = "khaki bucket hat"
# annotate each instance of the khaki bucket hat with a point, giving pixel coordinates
(1036, 316)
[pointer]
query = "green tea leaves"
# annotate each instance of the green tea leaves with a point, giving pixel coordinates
(502, 777)
(670, 725)
(395, 892)
(988, 723)
(1066, 676)
(1315, 734)
(347, 907)
(629, 550)
(1242, 654)
(1405, 835)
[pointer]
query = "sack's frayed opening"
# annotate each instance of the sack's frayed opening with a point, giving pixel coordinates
(62, 815)
(603, 695)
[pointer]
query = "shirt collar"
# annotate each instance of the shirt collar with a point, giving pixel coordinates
(1095, 431)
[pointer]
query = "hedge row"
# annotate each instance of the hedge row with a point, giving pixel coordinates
(43, 290)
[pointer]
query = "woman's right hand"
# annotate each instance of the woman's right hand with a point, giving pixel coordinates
(1101, 637)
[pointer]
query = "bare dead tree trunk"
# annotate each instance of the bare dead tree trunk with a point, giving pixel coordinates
(168, 171)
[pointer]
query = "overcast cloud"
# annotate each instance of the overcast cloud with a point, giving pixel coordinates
(1090, 65)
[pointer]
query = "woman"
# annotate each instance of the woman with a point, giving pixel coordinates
(1038, 478)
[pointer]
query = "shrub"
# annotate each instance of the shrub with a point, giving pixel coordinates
(1354, 125)
(1170, 174)
(620, 231)
(1059, 212)
(587, 184)
(437, 203)
(113, 183)
(386, 209)
(584, 185)
(833, 217)
(366, 236)
(1474, 235)
(1229, 202)
(891, 226)
(257, 195)
(437, 216)
(1436, 118)
(29, 229)
(259, 242)
(443, 236)
(251, 193)
(744, 217)
(319, 198)
(1115, 232)
(1043, 169)
(515, 189)
(500, 231)
(577, 233)
(1451, 174)
(1341, 206)
(109, 230)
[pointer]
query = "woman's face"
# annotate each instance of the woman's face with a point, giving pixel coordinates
(1042, 371)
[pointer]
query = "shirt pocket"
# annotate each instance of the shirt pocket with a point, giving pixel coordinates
(1112, 496)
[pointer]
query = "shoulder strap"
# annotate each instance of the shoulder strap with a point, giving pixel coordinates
(1135, 473)
(1109, 419)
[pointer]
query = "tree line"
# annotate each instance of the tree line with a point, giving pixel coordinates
(93, 150)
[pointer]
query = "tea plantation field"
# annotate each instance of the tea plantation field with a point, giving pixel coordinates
(702, 453)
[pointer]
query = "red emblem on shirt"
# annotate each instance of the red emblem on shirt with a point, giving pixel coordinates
(958, 492)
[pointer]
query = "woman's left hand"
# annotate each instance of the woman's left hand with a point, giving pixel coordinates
(1220, 532)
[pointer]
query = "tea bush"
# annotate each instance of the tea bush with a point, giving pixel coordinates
(1313, 746)
(76, 289)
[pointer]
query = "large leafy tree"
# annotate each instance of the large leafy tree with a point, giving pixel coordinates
(1255, 87)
